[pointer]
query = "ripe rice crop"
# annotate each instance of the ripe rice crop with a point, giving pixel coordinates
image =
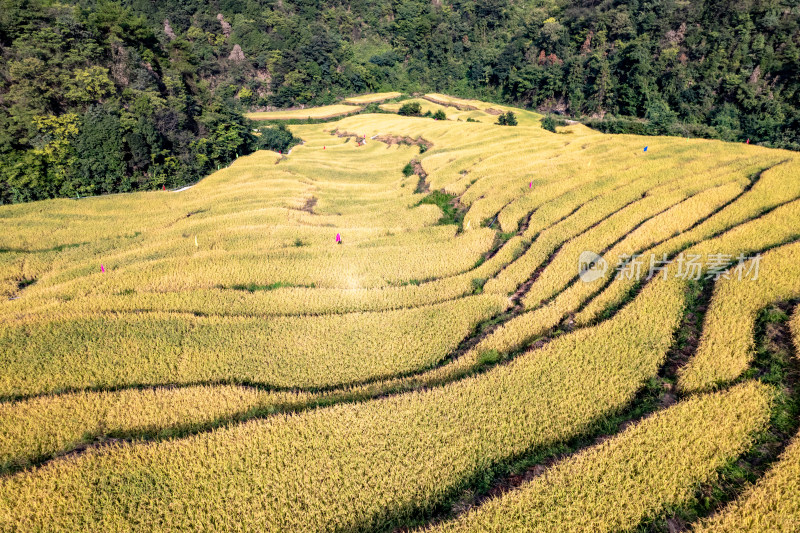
(436, 440)
(279, 300)
(772, 504)
(306, 352)
(46, 426)
(561, 268)
(774, 187)
(326, 111)
(371, 98)
(726, 347)
(342, 338)
(575, 213)
(524, 117)
(649, 467)
(773, 229)
(425, 106)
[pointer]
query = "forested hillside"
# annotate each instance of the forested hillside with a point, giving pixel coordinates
(95, 101)
(110, 96)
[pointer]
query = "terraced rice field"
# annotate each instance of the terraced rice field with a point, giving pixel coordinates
(406, 334)
(371, 98)
(463, 110)
(322, 112)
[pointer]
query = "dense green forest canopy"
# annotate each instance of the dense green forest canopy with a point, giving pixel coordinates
(105, 96)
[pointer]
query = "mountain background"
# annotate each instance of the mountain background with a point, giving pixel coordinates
(115, 96)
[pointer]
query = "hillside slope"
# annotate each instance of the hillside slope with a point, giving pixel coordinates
(123, 95)
(393, 326)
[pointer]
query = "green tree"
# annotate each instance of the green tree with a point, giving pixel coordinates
(277, 138)
(99, 149)
(661, 117)
(507, 119)
(88, 85)
(245, 96)
(410, 109)
(56, 149)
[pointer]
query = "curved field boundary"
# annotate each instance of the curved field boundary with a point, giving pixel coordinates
(269, 405)
(108, 352)
(409, 428)
(598, 494)
(461, 105)
(771, 189)
(655, 464)
(727, 346)
(772, 503)
(396, 459)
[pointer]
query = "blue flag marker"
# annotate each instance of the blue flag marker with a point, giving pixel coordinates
(645, 148)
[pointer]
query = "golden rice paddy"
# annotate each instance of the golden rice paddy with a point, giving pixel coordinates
(404, 333)
(322, 112)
